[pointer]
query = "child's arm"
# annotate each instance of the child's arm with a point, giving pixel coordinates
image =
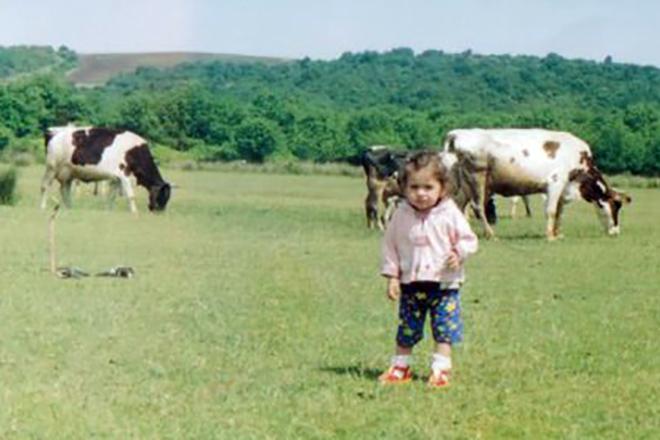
(390, 255)
(393, 288)
(463, 239)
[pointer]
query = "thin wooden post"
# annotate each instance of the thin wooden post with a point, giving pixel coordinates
(51, 238)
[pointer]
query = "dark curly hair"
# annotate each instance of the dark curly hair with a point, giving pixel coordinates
(426, 159)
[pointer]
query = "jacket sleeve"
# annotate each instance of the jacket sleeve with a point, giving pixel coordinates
(389, 253)
(464, 240)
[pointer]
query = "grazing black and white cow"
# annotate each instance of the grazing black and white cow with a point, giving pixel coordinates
(527, 161)
(94, 154)
(381, 164)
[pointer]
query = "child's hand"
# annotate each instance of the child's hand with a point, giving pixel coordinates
(393, 289)
(453, 261)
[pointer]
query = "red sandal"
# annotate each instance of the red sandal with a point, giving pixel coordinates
(439, 379)
(395, 375)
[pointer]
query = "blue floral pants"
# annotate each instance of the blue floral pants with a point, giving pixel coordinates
(443, 305)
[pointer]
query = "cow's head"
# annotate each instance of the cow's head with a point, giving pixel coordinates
(384, 161)
(159, 195)
(608, 202)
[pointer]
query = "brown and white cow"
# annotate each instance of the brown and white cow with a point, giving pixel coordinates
(94, 154)
(527, 161)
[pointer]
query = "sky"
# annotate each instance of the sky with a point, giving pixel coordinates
(628, 31)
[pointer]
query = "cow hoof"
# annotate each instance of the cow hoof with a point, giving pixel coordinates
(119, 272)
(614, 231)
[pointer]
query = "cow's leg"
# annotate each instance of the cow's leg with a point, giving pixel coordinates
(76, 188)
(372, 203)
(390, 205)
(485, 197)
(552, 209)
(528, 210)
(130, 195)
(380, 205)
(491, 211)
(65, 191)
(46, 183)
(560, 209)
(474, 210)
(371, 208)
(114, 186)
(514, 206)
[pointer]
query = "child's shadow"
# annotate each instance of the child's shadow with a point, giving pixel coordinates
(353, 370)
(358, 371)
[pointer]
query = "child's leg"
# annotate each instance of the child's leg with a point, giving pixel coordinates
(412, 314)
(403, 352)
(402, 357)
(412, 311)
(441, 360)
(446, 321)
(447, 330)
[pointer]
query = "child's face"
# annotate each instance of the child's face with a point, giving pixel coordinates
(423, 190)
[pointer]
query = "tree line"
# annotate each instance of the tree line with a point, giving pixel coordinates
(330, 110)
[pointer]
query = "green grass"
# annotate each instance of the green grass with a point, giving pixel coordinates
(257, 312)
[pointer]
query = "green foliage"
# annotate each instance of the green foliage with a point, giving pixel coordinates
(17, 60)
(320, 137)
(7, 185)
(6, 136)
(331, 110)
(137, 114)
(256, 138)
(29, 105)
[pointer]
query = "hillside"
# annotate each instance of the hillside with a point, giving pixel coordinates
(227, 107)
(97, 69)
(326, 110)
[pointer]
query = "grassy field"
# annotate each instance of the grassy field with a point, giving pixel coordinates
(257, 312)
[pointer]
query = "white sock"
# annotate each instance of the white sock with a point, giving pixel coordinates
(401, 360)
(440, 362)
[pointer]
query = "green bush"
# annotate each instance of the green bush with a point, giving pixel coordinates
(6, 137)
(7, 186)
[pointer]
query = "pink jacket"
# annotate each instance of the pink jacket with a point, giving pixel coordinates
(416, 245)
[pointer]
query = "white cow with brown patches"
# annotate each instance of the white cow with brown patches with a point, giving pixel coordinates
(558, 164)
(93, 154)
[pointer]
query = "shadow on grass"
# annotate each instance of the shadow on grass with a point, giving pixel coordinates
(518, 237)
(353, 370)
(539, 236)
(362, 372)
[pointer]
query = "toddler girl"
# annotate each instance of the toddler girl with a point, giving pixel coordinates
(424, 248)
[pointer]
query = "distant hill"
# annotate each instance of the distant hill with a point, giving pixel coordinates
(97, 69)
